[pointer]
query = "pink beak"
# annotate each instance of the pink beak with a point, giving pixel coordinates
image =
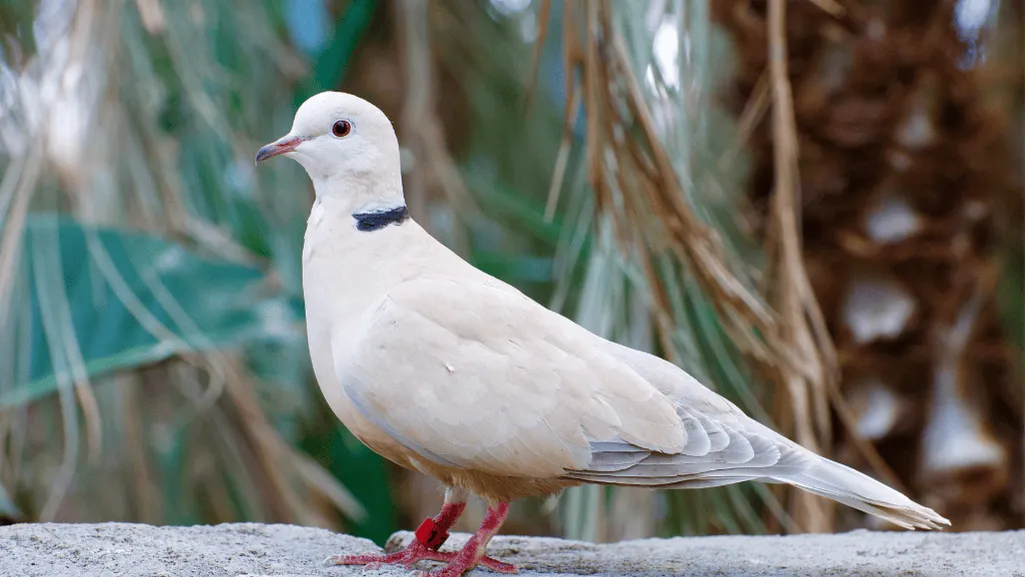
(283, 145)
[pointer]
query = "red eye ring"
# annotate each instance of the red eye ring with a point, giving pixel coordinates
(341, 128)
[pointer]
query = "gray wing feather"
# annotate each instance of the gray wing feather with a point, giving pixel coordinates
(715, 454)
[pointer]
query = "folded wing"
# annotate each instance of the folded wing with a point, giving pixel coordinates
(469, 374)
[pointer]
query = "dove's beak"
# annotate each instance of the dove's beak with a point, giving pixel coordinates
(283, 145)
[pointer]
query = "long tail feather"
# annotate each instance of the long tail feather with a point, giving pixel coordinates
(850, 487)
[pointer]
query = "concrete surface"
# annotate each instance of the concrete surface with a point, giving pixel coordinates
(253, 550)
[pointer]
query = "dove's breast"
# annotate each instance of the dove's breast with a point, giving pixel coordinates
(343, 271)
(330, 382)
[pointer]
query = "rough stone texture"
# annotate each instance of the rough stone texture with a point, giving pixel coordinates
(282, 550)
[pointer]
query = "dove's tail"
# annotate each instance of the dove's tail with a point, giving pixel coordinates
(844, 484)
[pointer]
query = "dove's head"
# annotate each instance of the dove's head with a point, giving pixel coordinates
(345, 144)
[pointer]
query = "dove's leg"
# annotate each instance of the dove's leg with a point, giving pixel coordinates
(417, 550)
(455, 504)
(472, 554)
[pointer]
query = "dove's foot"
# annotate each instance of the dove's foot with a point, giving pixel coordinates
(472, 554)
(412, 554)
(417, 552)
(424, 547)
(458, 564)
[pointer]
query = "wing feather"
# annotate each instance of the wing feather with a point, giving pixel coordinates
(468, 375)
(474, 376)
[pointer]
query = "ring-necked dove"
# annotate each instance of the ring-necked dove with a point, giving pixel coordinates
(446, 370)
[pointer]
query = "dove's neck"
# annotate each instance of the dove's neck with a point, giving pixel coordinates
(337, 220)
(349, 259)
(363, 192)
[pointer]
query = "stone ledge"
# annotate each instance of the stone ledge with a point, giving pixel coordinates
(255, 550)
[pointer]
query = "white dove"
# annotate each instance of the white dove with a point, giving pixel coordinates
(446, 370)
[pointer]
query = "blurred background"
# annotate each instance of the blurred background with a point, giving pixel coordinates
(815, 206)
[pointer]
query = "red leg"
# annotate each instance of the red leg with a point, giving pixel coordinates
(455, 504)
(472, 554)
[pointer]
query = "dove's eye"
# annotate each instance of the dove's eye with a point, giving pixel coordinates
(341, 128)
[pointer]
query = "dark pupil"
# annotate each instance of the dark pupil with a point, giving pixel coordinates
(341, 128)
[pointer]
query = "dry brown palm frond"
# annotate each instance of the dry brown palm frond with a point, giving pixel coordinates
(543, 13)
(290, 474)
(421, 129)
(634, 180)
(802, 328)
